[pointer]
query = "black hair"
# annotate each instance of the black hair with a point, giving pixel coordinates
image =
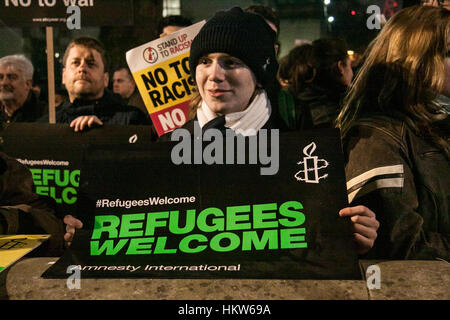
(267, 13)
(174, 20)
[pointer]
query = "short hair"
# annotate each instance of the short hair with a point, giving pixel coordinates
(174, 20)
(21, 63)
(120, 67)
(267, 13)
(89, 43)
(130, 75)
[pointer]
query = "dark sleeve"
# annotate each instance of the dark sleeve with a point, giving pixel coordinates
(24, 212)
(379, 176)
(60, 117)
(138, 117)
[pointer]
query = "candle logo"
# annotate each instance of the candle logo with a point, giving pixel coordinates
(311, 166)
(133, 139)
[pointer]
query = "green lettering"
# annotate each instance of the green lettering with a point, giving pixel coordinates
(154, 220)
(43, 191)
(53, 195)
(47, 174)
(65, 195)
(234, 242)
(107, 224)
(140, 246)
(108, 245)
(174, 222)
(185, 243)
(290, 209)
(234, 217)
(291, 238)
(58, 181)
(160, 247)
(127, 225)
(36, 175)
(263, 212)
(75, 178)
(217, 223)
(251, 237)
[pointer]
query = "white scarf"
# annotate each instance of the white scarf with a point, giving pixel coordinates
(246, 122)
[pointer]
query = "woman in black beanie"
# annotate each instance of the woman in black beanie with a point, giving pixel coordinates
(233, 64)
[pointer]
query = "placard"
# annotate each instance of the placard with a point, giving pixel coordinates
(161, 71)
(146, 215)
(14, 247)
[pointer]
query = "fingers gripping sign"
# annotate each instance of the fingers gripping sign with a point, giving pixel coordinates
(364, 226)
(82, 122)
(72, 224)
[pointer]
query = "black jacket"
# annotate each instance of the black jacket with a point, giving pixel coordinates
(405, 180)
(109, 109)
(317, 107)
(32, 110)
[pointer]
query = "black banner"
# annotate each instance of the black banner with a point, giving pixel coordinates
(145, 216)
(24, 13)
(54, 154)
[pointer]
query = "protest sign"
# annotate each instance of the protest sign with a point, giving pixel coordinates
(26, 13)
(54, 153)
(161, 71)
(14, 247)
(145, 216)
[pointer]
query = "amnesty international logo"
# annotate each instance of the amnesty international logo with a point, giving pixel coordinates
(311, 165)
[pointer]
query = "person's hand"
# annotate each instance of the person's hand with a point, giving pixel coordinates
(85, 121)
(364, 225)
(71, 225)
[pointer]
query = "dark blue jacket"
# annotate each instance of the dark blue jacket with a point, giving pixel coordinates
(109, 109)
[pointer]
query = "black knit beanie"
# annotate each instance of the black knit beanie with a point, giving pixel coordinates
(241, 34)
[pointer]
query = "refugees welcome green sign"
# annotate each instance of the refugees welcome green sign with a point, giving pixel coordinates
(136, 234)
(145, 216)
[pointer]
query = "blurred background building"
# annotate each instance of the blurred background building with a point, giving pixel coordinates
(300, 20)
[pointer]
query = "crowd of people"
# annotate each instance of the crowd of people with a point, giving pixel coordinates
(393, 115)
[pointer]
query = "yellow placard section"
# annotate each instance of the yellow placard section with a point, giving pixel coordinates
(14, 247)
(166, 84)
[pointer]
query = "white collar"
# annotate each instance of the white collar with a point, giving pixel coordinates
(246, 122)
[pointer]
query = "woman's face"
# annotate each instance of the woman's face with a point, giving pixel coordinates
(346, 71)
(225, 83)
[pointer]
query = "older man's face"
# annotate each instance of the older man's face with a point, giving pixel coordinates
(13, 86)
(84, 74)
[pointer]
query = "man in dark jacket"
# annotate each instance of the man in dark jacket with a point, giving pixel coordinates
(124, 85)
(18, 103)
(86, 80)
